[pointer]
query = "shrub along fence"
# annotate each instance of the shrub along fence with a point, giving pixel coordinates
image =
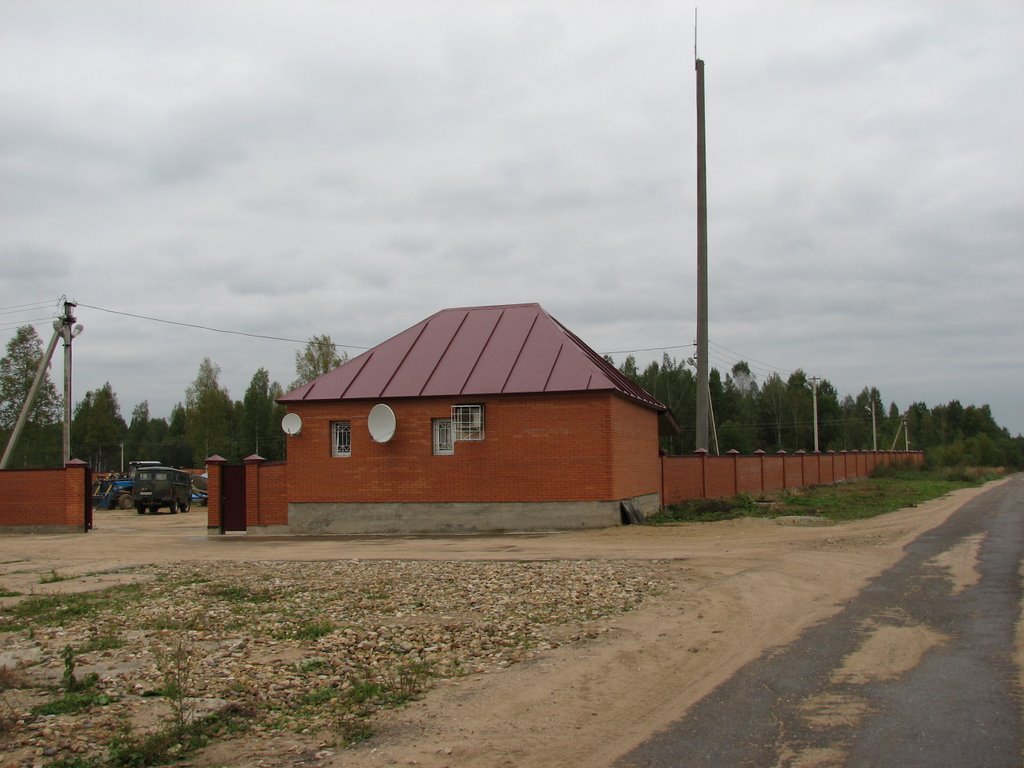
(700, 476)
(46, 500)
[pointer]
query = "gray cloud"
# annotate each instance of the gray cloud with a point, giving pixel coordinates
(336, 168)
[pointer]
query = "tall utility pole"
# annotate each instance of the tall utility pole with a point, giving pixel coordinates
(703, 390)
(814, 397)
(68, 332)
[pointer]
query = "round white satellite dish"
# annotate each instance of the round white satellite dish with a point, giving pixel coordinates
(291, 424)
(381, 423)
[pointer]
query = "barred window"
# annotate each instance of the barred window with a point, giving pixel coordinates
(341, 438)
(467, 422)
(444, 445)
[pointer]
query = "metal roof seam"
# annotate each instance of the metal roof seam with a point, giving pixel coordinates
(519, 354)
(355, 376)
(483, 348)
(401, 362)
(451, 340)
(554, 364)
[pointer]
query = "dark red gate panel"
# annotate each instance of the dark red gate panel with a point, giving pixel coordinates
(232, 502)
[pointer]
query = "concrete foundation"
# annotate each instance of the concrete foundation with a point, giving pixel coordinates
(348, 518)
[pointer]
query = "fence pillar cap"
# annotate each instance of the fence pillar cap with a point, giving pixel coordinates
(759, 452)
(75, 463)
(733, 452)
(216, 459)
(253, 459)
(702, 451)
(780, 452)
(801, 451)
(830, 450)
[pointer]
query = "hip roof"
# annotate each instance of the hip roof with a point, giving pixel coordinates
(508, 349)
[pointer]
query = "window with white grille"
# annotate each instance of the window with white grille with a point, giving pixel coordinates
(444, 445)
(467, 422)
(341, 438)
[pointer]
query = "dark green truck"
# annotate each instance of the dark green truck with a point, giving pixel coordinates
(157, 487)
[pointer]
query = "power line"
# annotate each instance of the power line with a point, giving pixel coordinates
(15, 309)
(648, 349)
(209, 328)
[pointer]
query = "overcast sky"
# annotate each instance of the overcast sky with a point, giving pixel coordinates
(298, 168)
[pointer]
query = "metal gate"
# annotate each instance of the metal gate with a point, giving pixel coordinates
(232, 498)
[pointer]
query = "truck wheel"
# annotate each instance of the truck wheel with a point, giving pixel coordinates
(154, 510)
(172, 507)
(186, 505)
(140, 509)
(124, 501)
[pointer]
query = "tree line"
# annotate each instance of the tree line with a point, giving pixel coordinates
(771, 415)
(205, 423)
(777, 414)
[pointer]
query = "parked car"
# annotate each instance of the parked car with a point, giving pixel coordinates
(157, 487)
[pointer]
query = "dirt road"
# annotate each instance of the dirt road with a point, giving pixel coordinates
(734, 589)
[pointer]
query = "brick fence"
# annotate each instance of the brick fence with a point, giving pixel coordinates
(700, 476)
(696, 476)
(46, 500)
(266, 493)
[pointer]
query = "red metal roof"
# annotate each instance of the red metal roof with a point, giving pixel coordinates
(511, 349)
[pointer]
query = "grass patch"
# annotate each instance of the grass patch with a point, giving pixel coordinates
(164, 747)
(887, 490)
(708, 510)
(60, 610)
(72, 702)
(234, 593)
(8, 593)
(307, 630)
(53, 577)
(104, 642)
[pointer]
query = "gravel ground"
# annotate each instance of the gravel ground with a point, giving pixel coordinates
(300, 647)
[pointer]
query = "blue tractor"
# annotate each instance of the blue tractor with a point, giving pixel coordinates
(113, 493)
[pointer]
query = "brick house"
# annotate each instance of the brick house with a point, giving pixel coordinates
(484, 418)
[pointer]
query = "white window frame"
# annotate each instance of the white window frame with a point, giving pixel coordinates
(467, 422)
(443, 437)
(341, 438)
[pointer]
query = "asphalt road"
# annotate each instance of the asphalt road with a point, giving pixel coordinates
(959, 705)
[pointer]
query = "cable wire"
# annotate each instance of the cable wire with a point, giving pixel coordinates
(210, 328)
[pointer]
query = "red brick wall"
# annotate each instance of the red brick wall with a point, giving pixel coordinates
(748, 474)
(696, 476)
(773, 468)
(52, 498)
(719, 478)
(682, 478)
(636, 468)
(266, 493)
(572, 447)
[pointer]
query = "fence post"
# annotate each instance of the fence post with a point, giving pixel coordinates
(214, 492)
(760, 454)
(703, 452)
(252, 488)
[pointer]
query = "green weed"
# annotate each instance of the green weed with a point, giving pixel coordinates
(307, 630)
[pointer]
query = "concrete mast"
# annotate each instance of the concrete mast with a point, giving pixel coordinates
(703, 391)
